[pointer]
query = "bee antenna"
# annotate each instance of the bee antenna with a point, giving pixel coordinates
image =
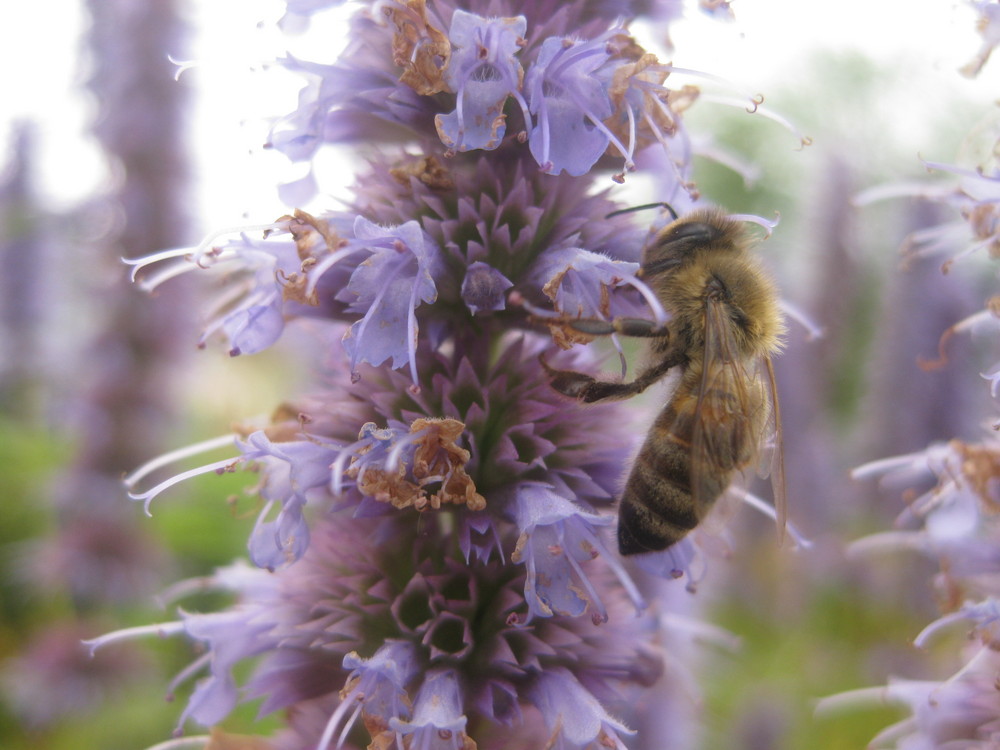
(644, 207)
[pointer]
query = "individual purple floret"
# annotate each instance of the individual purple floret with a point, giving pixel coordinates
(387, 287)
(569, 103)
(483, 73)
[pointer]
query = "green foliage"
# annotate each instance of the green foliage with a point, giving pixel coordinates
(830, 641)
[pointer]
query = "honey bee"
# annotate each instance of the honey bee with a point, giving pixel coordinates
(724, 327)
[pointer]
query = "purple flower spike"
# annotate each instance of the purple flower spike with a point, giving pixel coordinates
(387, 287)
(483, 72)
(428, 540)
(569, 103)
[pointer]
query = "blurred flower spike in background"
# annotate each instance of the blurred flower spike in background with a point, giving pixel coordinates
(435, 547)
(952, 489)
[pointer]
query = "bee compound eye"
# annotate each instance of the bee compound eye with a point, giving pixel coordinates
(695, 232)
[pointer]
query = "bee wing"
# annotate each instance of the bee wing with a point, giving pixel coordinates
(774, 465)
(736, 418)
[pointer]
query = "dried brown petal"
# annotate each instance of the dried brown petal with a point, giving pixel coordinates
(563, 334)
(981, 469)
(439, 458)
(313, 239)
(660, 105)
(420, 48)
(387, 487)
(428, 170)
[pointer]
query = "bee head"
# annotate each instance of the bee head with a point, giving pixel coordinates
(679, 242)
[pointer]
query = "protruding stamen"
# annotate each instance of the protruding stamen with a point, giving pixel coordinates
(226, 464)
(162, 630)
(223, 441)
(813, 331)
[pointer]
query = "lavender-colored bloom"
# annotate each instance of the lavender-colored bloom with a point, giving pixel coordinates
(580, 284)
(570, 103)
(281, 277)
(984, 616)
(647, 112)
(974, 194)
(376, 686)
(438, 722)
(483, 73)
(556, 539)
(959, 527)
(577, 98)
(293, 470)
(961, 712)
(958, 524)
(387, 287)
(579, 281)
(573, 715)
(357, 97)
(251, 311)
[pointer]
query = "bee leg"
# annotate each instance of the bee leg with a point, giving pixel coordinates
(567, 382)
(588, 389)
(632, 327)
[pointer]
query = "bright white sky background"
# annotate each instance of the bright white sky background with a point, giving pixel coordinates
(235, 179)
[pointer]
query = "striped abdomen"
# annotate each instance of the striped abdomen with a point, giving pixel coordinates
(660, 503)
